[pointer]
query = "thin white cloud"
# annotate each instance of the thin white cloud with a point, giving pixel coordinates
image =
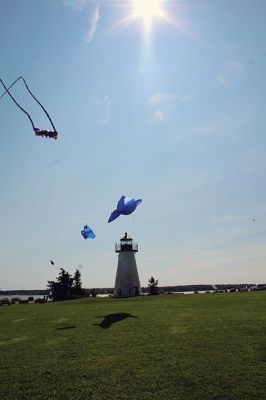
(231, 126)
(161, 104)
(75, 4)
(93, 22)
(162, 98)
(158, 116)
(105, 104)
(208, 262)
(231, 74)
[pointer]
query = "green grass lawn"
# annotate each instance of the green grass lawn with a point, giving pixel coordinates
(205, 346)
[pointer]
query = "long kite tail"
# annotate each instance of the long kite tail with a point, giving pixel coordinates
(9, 88)
(19, 106)
(28, 89)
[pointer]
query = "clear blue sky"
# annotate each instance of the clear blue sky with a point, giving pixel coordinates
(174, 115)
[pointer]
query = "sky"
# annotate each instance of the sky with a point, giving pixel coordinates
(169, 108)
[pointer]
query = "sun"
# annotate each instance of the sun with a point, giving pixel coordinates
(147, 9)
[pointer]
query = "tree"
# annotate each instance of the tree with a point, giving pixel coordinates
(153, 286)
(77, 289)
(61, 289)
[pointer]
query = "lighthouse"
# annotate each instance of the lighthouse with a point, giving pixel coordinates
(127, 278)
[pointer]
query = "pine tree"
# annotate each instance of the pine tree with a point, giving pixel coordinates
(62, 289)
(153, 286)
(77, 289)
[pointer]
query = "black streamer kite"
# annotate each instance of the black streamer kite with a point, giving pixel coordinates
(38, 132)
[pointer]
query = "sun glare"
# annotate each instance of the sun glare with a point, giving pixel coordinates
(147, 9)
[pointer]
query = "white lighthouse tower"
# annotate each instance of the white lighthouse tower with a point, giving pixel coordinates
(127, 278)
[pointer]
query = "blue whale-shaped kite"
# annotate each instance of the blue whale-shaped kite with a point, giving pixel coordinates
(125, 206)
(88, 233)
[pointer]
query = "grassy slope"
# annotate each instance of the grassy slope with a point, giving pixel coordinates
(179, 347)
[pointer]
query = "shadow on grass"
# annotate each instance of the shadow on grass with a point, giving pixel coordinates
(65, 327)
(113, 318)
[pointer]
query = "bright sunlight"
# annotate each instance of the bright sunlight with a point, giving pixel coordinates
(147, 9)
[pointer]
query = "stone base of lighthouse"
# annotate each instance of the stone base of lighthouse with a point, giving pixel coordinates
(127, 278)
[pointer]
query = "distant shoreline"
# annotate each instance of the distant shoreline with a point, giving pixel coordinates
(162, 289)
(24, 292)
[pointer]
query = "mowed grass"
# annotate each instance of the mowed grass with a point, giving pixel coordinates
(205, 346)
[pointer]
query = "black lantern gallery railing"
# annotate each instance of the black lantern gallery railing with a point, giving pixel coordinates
(126, 246)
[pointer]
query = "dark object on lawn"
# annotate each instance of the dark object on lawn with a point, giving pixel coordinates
(15, 300)
(65, 327)
(113, 318)
(5, 302)
(41, 301)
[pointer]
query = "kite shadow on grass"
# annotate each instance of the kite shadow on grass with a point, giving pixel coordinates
(113, 318)
(62, 328)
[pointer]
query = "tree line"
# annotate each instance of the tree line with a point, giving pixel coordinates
(68, 287)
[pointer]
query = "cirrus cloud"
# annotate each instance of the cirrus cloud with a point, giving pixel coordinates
(158, 116)
(93, 22)
(105, 106)
(160, 98)
(161, 105)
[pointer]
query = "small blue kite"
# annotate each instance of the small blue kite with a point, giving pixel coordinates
(88, 233)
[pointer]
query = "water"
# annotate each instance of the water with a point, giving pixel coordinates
(21, 297)
(25, 297)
